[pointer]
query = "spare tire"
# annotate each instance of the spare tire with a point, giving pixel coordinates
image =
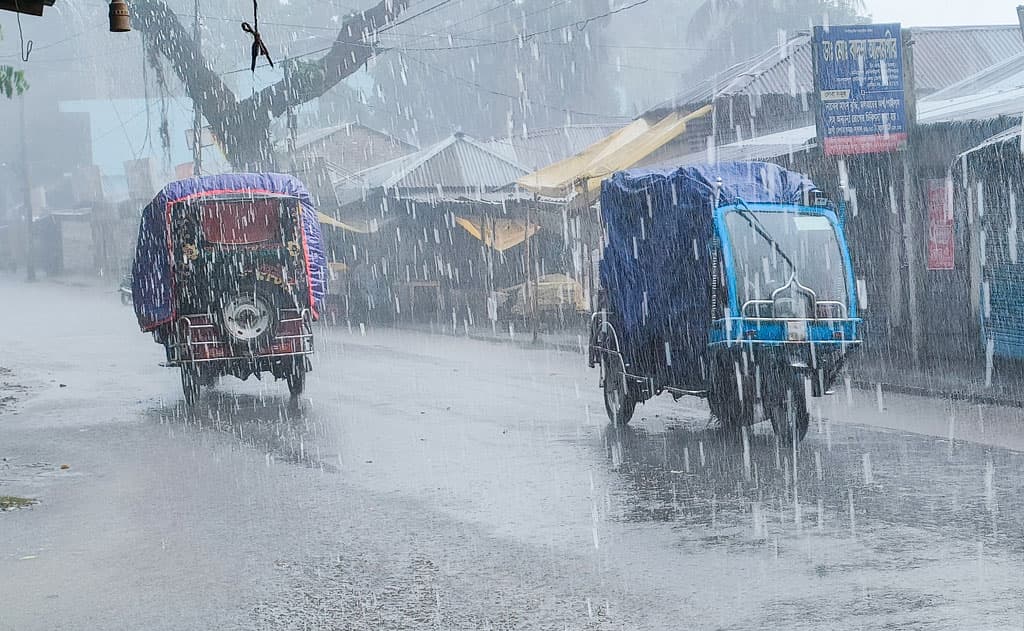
(249, 318)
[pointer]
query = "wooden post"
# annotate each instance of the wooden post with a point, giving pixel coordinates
(531, 290)
(914, 236)
(485, 269)
(30, 264)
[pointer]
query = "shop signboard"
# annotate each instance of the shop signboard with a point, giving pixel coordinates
(859, 79)
(941, 243)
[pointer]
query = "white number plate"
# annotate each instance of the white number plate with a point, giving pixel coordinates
(796, 330)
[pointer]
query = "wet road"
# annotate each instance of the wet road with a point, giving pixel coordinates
(430, 482)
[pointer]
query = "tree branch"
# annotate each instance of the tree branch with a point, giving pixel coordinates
(166, 33)
(244, 126)
(354, 46)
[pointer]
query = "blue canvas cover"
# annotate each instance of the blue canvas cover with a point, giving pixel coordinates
(656, 267)
(151, 271)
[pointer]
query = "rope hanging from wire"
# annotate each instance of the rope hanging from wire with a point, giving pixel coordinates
(259, 49)
(25, 50)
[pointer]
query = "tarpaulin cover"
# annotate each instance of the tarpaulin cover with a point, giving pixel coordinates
(152, 277)
(656, 265)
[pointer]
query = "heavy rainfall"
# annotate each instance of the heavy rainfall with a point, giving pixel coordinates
(511, 314)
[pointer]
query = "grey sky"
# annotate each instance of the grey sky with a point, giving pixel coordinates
(943, 12)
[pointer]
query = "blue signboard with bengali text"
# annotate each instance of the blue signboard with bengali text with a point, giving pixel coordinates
(860, 84)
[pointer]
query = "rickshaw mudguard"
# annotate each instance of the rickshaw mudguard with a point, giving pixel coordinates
(152, 275)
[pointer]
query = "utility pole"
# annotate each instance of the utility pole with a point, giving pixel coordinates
(531, 290)
(197, 121)
(1020, 18)
(915, 227)
(30, 264)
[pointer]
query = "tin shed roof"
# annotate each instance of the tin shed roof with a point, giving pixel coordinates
(458, 162)
(942, 56)
(458, 167)
(542, 147)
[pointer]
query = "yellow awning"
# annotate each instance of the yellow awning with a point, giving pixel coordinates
(362, 228)
(584, 172)
(506, 233)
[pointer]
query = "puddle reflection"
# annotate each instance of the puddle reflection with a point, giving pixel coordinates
(283, 428)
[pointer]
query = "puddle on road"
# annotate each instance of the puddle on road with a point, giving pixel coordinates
(282, 429)
(714, 489)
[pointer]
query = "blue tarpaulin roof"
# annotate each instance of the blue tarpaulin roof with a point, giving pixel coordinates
(656, 264)
(152, 282)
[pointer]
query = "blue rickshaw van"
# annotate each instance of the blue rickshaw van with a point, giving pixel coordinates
(731, 282)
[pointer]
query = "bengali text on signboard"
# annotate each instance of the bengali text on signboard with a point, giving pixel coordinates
(860, 83)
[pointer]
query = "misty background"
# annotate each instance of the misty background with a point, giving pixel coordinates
(490, 69)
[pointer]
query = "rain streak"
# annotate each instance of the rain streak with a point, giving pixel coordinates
(511, 314)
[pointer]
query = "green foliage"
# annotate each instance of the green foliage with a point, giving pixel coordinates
(12, 81)
(10, 502)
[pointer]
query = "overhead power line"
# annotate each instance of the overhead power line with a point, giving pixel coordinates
(580, 25)
(402, 21)
(500, 5)
(482, 88)
(387, 27)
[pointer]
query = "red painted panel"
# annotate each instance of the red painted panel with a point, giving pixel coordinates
(246, 222)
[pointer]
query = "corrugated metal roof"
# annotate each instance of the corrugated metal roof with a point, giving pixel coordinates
(946, 55)
(769, 72)
(930, 110)
(942, 56)
(999, 77)
(1012, 134)
(307, 138)
(977, 107)
(453, 168)
(542, 147)
(761, 148)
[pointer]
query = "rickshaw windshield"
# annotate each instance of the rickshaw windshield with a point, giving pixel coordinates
(804, 241)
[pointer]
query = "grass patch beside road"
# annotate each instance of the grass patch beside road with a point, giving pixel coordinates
(10, 502)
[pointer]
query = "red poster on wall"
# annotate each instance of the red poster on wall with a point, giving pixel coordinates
(940, 226)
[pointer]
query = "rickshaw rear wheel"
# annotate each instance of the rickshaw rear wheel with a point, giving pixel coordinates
(190, 385)
(296, 377)
(788, 411)
(618, 402)
(208, 378)
(732, 409)
(729, 413)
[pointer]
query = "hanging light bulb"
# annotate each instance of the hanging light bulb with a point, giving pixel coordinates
(120, 17)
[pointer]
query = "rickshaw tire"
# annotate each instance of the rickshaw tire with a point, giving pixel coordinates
(296, 378)
(208, 379)
(728, 415)
(274, 297)
(801, 416)
(190, 385)
(627, 404)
